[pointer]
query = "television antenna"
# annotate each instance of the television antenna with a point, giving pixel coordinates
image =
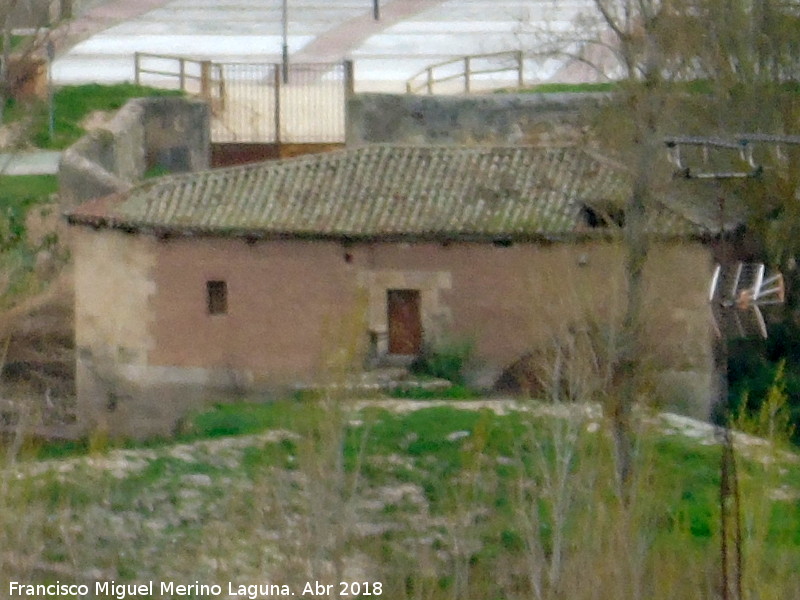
(742, 146)
(738, 290)
(737, 294)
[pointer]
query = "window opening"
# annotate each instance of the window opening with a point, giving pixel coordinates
(217, 296)
(595, 217)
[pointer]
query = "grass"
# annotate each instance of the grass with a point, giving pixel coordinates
(22, 188)
(18, 42)
(441, 436)
(245, 418)
(480, 489)
(699, 86)
(18, 193)
(71, 105)
(418, 392)
(559, 88)
(447, 439)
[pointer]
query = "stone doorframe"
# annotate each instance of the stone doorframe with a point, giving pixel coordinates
(435, 316)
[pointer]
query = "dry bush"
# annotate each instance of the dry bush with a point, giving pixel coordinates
(575, 366)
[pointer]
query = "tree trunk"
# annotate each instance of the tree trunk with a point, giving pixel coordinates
(4, 60)
(646, 109)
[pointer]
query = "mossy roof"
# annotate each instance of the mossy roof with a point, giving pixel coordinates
(389, 192)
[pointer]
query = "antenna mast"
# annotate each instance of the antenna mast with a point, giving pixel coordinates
(737, 292)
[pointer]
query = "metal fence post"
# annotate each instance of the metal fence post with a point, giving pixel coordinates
(182, 74)
(429, 83)
(285, 44)
(136, 67)
(277, 77)
(349, 92)
(349, 79)
(466, 74)
(520, 78)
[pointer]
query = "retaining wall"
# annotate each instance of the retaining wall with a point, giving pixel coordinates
(167, 133)
(499, 119)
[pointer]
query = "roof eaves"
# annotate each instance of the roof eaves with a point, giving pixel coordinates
(259, 234)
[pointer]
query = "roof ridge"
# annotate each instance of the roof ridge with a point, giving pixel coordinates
(381, 146)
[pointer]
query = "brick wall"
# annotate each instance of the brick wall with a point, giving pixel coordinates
(303, 311)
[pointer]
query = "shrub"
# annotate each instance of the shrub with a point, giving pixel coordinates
(446, 361)
(755, 365)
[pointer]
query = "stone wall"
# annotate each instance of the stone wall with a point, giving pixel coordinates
(498, 119)
(170, 133)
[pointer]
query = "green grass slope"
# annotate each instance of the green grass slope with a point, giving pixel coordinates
(71, 105)
(431, 499)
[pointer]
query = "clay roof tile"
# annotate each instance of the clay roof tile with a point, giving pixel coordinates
(385, 191)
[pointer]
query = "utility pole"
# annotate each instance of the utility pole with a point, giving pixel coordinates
(737, 293)
(376, 10)
(51, 120)
(285, 36)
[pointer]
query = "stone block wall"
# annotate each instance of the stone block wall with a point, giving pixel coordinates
(177, 134)
(488, 119)
(168, 132)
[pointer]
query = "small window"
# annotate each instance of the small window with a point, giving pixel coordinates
(217, 295)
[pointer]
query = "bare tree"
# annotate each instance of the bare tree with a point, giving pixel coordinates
(747, 52)
(753, 62)
(35, 17)
(6, 10)
(637, 41)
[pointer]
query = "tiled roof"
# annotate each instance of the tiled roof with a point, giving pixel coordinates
(383, 192)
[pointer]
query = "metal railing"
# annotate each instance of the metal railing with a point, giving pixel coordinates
(201, 77)
(469, 69)
(309, 107)
(254, 102)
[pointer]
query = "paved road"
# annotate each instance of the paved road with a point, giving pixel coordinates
(410, 35)
(42, 162)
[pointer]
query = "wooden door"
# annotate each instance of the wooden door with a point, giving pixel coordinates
(405, 324)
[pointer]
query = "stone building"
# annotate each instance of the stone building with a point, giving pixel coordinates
(248, 280)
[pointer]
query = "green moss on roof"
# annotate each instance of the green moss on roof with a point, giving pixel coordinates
(384, 192)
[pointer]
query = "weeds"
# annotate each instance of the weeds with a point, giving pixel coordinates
(445, 361)
(766, 534)
(437, 503)
(417, 392)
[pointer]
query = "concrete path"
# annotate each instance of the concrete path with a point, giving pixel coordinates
(41, 162)
(349, 35)
(99, 19)
(411, 34)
